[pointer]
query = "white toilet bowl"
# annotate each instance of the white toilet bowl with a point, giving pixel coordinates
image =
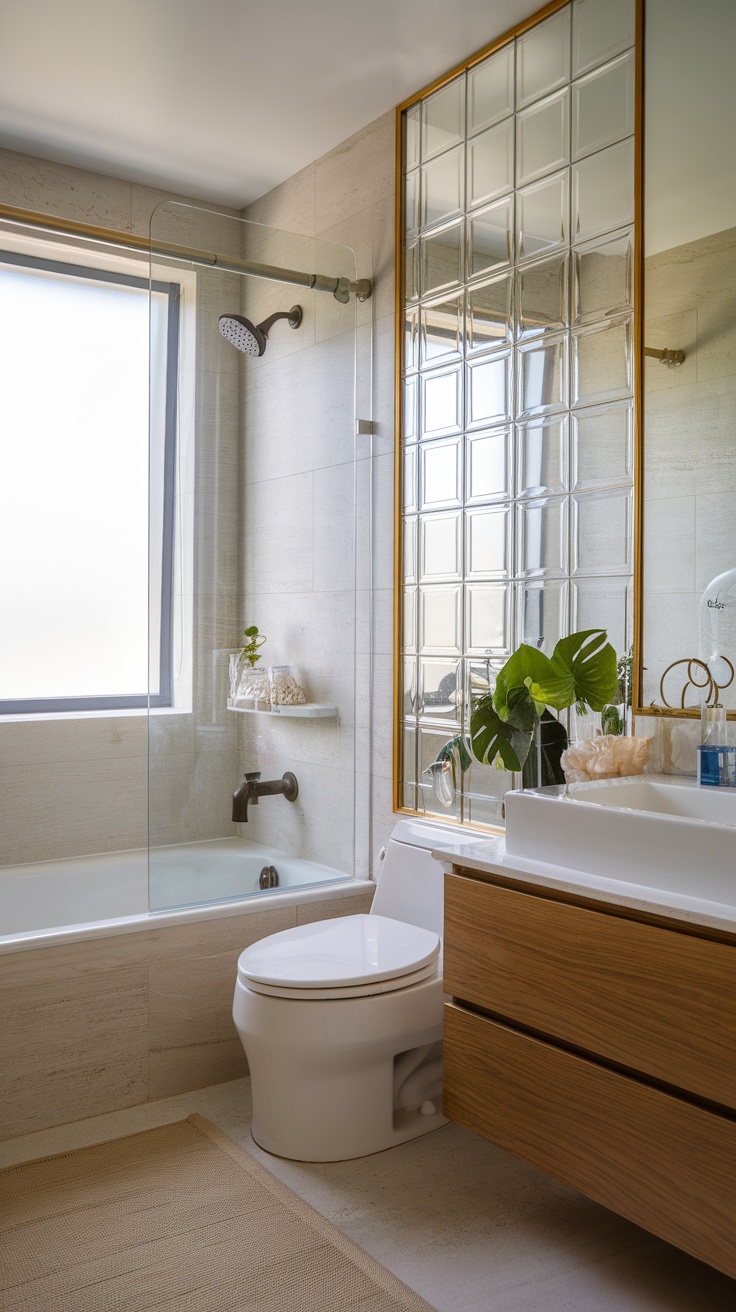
(341, 1020)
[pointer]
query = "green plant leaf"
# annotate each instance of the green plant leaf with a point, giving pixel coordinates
(540, 771)
(528, 667)
(587, 661)
(509, 738)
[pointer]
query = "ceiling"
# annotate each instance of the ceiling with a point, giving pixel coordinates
(221, 100)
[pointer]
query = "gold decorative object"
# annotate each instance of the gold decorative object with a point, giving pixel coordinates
(699, 676)
(609, 756)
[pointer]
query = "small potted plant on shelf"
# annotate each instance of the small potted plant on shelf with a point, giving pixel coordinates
(249, 687)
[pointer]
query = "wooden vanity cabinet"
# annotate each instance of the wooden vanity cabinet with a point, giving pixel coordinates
(600, 1048)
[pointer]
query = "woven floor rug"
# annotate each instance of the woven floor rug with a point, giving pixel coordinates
(177, 1219)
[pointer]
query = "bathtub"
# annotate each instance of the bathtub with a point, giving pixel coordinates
(54, 902)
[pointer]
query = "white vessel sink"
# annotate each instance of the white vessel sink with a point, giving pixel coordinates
(645, 830)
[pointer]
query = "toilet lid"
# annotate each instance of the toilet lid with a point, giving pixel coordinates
(348, 951)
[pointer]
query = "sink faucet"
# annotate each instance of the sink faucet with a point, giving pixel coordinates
(252, 789)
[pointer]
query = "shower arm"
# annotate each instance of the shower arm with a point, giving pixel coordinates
(341, 288)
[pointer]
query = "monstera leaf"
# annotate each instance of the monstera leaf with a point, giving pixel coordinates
(509, 738)
(582, 669)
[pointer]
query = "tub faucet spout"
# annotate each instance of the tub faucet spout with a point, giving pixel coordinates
(252, 789)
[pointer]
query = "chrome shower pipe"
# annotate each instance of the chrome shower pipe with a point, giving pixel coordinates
(341, 288)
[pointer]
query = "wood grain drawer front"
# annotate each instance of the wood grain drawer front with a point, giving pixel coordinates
(643, 997)
(652, 1157)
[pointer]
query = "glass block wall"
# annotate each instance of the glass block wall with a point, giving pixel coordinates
(517, 373)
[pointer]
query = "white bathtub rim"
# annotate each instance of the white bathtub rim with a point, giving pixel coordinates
(272, 899)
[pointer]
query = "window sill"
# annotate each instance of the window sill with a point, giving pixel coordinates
(133, 713)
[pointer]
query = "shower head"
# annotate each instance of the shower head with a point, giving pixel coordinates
(251, 338)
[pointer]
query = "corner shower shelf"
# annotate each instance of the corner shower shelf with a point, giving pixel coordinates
(307, 711)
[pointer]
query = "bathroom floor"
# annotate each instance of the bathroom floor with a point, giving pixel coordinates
(460, 1221)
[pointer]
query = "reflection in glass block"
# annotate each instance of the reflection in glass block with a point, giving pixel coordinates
(600, 30)
(487, 619)
(411, 601)
(490, 309)
(443, 190)
(442, 258)
(603, 106)
(542, 376)
(491, 90)
(602, 446)
(490, 237)
(409, 557)
(602, 532)
(411, 339)
(491, 163)
(480, 680)
(443, 118)
(441, 690)
(602, 363)
(541, 296)
(488, 811)
(440, 613)
(602, 278)
(488, 543)
(488, 473)
(541, 613)
(442, 402)
(441, 474)
(543, 538)
(603, 191)
(542, 138)
(409, 767)
(543, 215)
(409, 410)
(441, 548)
(411, 204)
(412, 132)
(410, 685)
(411, 272)
(489, 389)
(409, 480)
(605, 604)
(543, 58)
(542, 458)
(442, 330)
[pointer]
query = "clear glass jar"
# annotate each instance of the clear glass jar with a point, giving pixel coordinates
(249, 686)
(285, 688)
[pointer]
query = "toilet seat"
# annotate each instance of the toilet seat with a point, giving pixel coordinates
(348, 957)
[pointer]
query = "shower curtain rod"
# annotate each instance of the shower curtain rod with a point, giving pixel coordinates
(341, 288)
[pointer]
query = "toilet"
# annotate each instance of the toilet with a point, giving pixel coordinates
(341, 1020)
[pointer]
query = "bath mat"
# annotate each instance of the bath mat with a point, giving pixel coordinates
(177, 1219)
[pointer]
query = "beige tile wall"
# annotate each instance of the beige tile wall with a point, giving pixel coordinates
(110, 1022)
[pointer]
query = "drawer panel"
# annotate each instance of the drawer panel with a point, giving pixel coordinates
(640, 996)
(659, 1161)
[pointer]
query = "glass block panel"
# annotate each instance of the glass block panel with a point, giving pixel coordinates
(488, 543)
(412, 135)
(489, 314)
(442, 330)
(480, 679)
(409, 767)
(409, 684)
(491, 237)
(488, 630)
(440, 621)
(600, 30)
(491, 163)
(409, 556)
(441, 690)
(543, 538)
(411, 205)
(542, 133)
(441, 475)
(443, 119)
(543, 215)
(443, 189)
(602, 282)
(442, 402)
(542, 614)
(489, 389)
(410, 603)
(410, 410)
(542, 376)
(411, 339)
(409, 480)
(440, 548)
(488, 466)
(602, 363)
(603, 106)
(488, 811)
(442, 258)
(542, 458)
(605, 603)
(543, 58)
(491, 90)
(603, 191)
(602, 446)
(411, 272)
(541, 296)
(602, 535)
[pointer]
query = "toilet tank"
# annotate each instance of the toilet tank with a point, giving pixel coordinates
(410, 885)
